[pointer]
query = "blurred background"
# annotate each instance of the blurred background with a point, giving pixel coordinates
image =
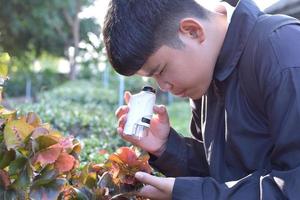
(59, 70)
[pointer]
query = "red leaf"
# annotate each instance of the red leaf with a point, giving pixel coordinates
(127, 155)
(103, 152)
(123, 164)
(67, 143)
(64, 163)
(4, 178)
(48, 156)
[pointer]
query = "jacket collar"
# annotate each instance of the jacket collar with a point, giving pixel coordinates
(240, 27)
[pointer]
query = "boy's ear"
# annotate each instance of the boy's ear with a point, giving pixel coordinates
(192, 28)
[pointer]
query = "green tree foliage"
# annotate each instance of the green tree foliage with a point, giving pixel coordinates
(35, 26)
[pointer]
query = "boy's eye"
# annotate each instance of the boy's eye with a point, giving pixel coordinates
(163, 69)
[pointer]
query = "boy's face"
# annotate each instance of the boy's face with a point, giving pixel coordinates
(185, 72)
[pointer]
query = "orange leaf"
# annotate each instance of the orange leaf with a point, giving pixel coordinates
(123, 164)
(97, 168)
(64, 163)
(115, 170)
(115, 158)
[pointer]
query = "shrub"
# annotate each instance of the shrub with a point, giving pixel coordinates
(37, 162)
(82, 92)
(88, 112)
(41, 81)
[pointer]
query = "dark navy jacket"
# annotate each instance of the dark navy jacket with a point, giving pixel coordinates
(247, 126)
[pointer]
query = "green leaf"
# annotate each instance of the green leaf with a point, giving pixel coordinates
(83, 194)
(24, 179)
(7, 158)
(45, 177)
(73, 193)
(7, 114)
(48, 191)
(88, 176)
(15, 133)
(4, 59)
(8, 194)
(45, 141)
(106, 181)
(16, 166)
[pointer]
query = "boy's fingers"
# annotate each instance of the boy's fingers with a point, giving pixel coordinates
(161, 111)
(127, 96)
(122, 121)
(121, 111)
(157, 182)
(148, 191)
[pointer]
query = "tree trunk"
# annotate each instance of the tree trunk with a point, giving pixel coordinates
(75, 26)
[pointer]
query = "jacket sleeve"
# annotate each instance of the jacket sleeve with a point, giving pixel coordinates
(282, 104)
(182, 157)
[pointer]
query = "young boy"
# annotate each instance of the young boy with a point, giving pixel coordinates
(241, 70)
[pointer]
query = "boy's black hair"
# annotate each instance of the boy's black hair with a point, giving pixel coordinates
(135, 29)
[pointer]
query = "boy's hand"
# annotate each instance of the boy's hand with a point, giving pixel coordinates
(159, 188)
(155, 141)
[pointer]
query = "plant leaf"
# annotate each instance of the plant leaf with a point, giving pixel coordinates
(15, 133)
(7, 158)
(67, 143)
(45, 141)
(24, 179)
(38, 131)
(4, 179)
(64, 163)
(33, 119)
(7, 114)
(45, 177)
(47, 156)
(124, 164)
(127, 155)
(17, 165)
(5, 58)
(48, 191)
(10, 194)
